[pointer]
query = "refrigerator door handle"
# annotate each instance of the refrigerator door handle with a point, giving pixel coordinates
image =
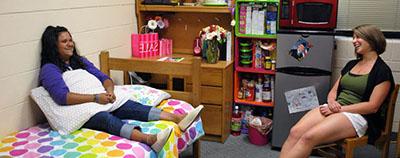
(305, 35)
(304, 71)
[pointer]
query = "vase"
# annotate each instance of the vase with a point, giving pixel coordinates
(212, 52)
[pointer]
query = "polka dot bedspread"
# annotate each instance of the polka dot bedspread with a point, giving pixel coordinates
(41, 141)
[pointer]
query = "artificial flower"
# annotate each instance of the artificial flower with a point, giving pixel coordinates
(233, 22)
(213, 32)
(160, 24)
(152, 24)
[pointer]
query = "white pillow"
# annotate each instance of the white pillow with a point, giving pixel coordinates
(68, 118)
(144, 94)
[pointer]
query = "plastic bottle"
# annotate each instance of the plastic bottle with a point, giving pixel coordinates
(251, 90)
(258, 90)
(273, 64)
(266, 93)
(268, 63)
(258, 56)
(236, 121)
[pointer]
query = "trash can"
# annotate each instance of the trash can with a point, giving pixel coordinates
(256, 138)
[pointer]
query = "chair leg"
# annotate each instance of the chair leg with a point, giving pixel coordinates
(385, 149)
(348, 150)
(398, 143)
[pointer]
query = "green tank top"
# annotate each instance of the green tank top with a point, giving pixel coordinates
(353, 88)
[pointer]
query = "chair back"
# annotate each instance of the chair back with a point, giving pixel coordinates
(390, 112)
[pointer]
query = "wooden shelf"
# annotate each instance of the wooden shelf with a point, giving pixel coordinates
(266, 104)
(190, 9)
(265, 36)
(255, 1)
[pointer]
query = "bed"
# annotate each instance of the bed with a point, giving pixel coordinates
(41, 141)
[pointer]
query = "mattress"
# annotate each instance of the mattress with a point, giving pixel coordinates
(41, 141)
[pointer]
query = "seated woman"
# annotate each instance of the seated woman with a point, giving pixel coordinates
(354, 102)
(59, 55)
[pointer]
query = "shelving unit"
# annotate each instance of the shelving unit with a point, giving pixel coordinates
(185, 23)
(251, 71)
(192, 9)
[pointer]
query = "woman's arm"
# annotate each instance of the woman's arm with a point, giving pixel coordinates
(376, 99)
(76, 98)
(109, 86)
(333, 105)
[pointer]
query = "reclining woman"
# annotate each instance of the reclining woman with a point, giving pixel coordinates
(354, 102)
(59, 55)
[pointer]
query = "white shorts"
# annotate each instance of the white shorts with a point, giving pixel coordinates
(359, 123)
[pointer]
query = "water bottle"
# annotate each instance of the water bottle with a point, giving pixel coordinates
(236, 121)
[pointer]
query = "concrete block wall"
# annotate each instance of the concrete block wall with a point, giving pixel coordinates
(95, 25)
(345, 52)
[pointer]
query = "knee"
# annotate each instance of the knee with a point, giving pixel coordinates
(308, 138)
(295, 133)
(103, 117)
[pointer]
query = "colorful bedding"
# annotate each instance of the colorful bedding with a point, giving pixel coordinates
(41, 141)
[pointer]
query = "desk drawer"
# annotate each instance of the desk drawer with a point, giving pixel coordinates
(212, 119)
(211, 95)
(211, 77)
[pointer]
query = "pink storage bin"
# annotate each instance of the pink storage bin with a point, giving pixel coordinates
(145, 45)
(256, 138)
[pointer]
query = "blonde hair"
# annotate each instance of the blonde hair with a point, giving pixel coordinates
(373, 35)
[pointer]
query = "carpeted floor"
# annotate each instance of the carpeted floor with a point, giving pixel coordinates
(240, 147)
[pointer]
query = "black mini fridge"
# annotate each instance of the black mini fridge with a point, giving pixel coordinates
(303, 60)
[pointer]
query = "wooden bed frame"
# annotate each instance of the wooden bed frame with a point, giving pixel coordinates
(188, 68)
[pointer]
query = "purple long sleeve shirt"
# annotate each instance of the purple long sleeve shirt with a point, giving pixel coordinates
(51, 79)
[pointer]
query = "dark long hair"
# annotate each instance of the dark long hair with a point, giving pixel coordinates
(50, 52)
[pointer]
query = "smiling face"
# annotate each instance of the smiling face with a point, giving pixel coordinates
(65, 46)
(361, 46)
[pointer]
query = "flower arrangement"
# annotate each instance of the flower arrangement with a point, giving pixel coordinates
(213, 32)
(212, 36)
(155, 23)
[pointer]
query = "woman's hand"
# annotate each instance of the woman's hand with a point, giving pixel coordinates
(334, 106)
(324, 110)
(105, 98)
(111, 97)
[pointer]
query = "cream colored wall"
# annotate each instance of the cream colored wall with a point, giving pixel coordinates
(95, 25)
(345, 52)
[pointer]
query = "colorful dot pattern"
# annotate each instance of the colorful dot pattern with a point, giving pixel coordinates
(41, 141)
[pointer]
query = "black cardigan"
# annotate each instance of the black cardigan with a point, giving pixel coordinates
(380, 72)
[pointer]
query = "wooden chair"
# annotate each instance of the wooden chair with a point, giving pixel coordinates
(383, 141)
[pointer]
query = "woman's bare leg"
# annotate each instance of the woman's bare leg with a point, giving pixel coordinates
(334, 127)
(309, 120)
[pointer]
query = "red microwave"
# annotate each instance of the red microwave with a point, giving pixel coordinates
(311, 14)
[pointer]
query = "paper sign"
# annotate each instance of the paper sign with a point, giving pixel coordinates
(301, 99)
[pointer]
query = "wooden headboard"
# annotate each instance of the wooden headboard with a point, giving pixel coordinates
(188, 68)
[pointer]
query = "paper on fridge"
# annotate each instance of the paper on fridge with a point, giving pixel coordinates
(301, 99)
